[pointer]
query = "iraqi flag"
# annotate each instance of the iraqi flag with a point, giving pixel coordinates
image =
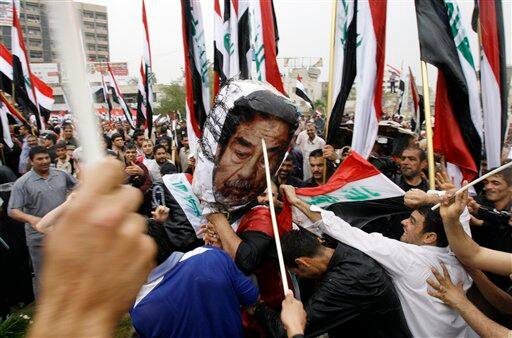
(344, 72)
(226, 64)
(119, 98)
(197, 85)
(44, 93)
(300, 91)
(357, 191)
(106, 96)
(359, 50)
(22, 76)
(144, 89)
(265, 43)
(12, 113)
(186, 217)
(5, 69)
(493, 78)
(458, 120)
(371, 33)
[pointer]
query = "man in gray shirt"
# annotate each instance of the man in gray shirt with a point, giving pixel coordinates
(33, 195)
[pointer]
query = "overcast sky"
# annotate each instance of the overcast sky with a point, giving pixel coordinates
(304, 28)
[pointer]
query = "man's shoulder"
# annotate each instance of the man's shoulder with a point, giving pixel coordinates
(29, 175)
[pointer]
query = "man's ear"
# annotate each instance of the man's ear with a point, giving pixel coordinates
(304, 261)
(429, 238)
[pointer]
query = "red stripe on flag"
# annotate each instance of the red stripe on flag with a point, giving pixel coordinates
(378, 9)
(489, 33)
(146, 31)
(273, 76)
(188, 73)
(12, 110)
(5, 54)
(448, 139)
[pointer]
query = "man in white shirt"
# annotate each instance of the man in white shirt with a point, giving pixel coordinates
(307, 141)
(408, 262)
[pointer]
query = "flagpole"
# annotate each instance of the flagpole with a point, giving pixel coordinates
(331, 79)
(273, 218)
(428, 126)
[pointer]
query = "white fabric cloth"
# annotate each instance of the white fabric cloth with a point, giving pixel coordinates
(409, 266)
(306, 146)
(154, 170)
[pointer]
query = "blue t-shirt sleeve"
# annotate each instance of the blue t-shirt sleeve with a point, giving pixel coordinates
(245, 289)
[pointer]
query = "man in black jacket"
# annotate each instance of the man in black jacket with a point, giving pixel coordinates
(353, 296)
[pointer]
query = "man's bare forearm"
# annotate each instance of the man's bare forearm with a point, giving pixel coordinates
(493, 294)
(305, 208)
(483, 326)
(461, 244)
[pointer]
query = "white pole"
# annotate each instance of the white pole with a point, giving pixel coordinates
(273, 217)
(68, 31)
(478, 180)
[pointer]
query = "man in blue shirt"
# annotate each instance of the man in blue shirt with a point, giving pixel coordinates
(196, 294)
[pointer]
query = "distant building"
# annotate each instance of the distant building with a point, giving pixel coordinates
(38, 39)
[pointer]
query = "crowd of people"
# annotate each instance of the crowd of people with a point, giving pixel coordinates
(94, 234)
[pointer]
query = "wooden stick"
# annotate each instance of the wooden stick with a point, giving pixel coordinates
(330, 88)
(428, 127)
(478, 180)
(68, 32)
(273, 217)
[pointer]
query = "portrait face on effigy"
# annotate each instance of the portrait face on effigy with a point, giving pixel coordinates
(239, 174)
(230, 170)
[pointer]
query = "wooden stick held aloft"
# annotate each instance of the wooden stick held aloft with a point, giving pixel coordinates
(273, 217)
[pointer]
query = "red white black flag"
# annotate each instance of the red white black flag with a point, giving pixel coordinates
(145, 92)
(493, 78)
(196, 70)
(300, 91)
(371, 30)
(458, 119)
(119, 98)
(22, 76)
(357, 191)
(360, 45)
(265, 43)
(226, 64)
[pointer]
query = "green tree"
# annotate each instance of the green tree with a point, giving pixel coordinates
(173, 99)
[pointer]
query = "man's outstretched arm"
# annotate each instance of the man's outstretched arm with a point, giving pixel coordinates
(467, 250)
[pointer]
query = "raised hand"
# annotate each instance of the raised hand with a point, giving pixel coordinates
(444, 289)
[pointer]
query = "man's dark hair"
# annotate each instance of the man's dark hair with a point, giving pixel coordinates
(421, 153)
(434, 223)
(316, 153)
(131, 145)
(506, 174)
(67, 125)
(51, 137)
(158, 146)
(299, 243)
(116, 135)
(61, 144)
(37, 150)
(137, 133)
